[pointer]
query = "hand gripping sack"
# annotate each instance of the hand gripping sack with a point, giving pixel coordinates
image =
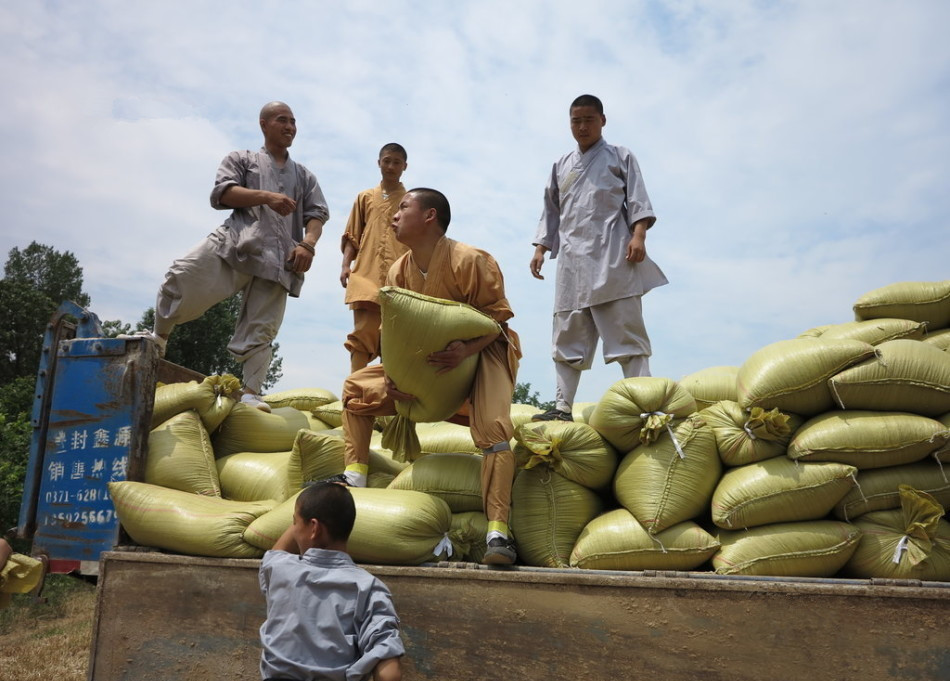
(792, 375)
(711, 385)
(671, 480)
(180, 456)
(905, 375)
(745, 436)
(636, 410)
(616, 541)
(921, 301)
(575, 450)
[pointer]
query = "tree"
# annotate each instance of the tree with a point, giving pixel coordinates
(202, 345)
(523, 395)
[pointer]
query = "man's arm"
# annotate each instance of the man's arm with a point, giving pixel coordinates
(237, 196)
(637, 246)
(286, 542)
(349, 255)
(538, 260)
(302, 256)
(458, 350)
(388, 670)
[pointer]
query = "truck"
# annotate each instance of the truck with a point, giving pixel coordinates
(167, 617)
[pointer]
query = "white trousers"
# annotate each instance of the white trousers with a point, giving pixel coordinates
(202, 279)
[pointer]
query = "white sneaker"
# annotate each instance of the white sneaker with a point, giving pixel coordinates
(252, 400)
(151, 336)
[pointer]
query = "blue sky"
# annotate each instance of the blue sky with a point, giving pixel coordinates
(797, 153)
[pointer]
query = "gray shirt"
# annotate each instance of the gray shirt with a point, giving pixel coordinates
(591, 203)
(257, 240)
(327, 618)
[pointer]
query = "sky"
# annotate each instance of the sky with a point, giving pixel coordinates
(797, 154)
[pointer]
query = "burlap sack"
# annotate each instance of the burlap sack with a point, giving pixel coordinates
(211, 398)
(711, 385)
(877, 489)
(815, 548)
(319, 455)
(330, 413)
(877, 331)
(444, 438)
(548, 513)
(921, 301)
(637, 410)
(522, 413)
(792, 375)
(302, 399)
(940, 339)
(468, 533)
(616, 541)
(256, 476)
(672, 479)
(910, 543)
(180, 456)
(779, 491)
(575, 450)
(247, 429)
(454, 478)
(745, 436)
(868, 439)
(21, 574)
(815, 331)
(186, 523)
(906, 375)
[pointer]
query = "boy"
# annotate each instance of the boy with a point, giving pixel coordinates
(443, 268)
(327, 618)
(262, 249)
(369, 240)
(596, 216)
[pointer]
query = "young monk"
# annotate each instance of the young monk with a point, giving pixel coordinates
(443, 268)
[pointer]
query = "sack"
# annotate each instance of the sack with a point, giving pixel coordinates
(672, 479)
(413, 327)
(302, 399)
(468, 533)
(616, 541)
(186, 523)
(575, 450)
(712, 385)
(779, 491)
(317, 456)
(941, 339)
(815, 548)
(636, 410)
(906, 375)
(180, 456)
(877, 489)
(330, 413)
(256, 476)
(548, 513)
(792, 375)
(522, 413)
(876, 331)
(868, 439)
(921, 301)
(454, 478)
(444, 438)
(910, 543)
(746, 436)
(247, 429)
(211, 398)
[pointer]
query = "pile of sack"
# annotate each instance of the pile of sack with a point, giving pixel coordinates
(820, 455)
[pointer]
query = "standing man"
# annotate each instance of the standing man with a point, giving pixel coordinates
(596, 216)
(262, 249)
(443, 268)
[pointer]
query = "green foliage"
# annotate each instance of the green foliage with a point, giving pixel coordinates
(524, 395)
(15, 434)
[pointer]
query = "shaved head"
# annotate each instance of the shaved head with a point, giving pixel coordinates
(270, 110)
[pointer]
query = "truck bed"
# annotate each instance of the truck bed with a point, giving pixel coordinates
(164, 617)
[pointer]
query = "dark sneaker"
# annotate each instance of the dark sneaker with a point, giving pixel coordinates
(553, 415)
(339, 479)
(500, 552)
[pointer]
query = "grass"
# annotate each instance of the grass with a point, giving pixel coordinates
(48, 640)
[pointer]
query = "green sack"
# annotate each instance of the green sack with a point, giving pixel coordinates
(779, 491)
(445, 438)
(910, 543)
(711, 385)
(211, 398)
(186, 523)
(814, 548)
(868, 439)
(468, 533)
(921, 301)
(413, 327)
(548, 513)
(877, 489)
(877, 331)
(672, 479)
(247, 429)
(575, 450)
(616, 541)
(815, 331)
(792, 375)
(180, 456)
(454, 478)
(302, 399)
(637, 410)
(522, 413)
(940, 339)
(19, 575)
(330, 413)
(906, 375)
(319, 455)
(745, 436)
(256, 476)
(582, 411)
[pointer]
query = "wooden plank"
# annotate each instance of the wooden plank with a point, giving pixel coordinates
(172, 618)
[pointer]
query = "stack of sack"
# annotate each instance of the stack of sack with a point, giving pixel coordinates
(820, 455)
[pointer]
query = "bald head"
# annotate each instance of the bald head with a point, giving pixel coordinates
(271, 109)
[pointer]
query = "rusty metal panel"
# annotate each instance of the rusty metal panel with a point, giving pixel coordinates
(172, 618)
